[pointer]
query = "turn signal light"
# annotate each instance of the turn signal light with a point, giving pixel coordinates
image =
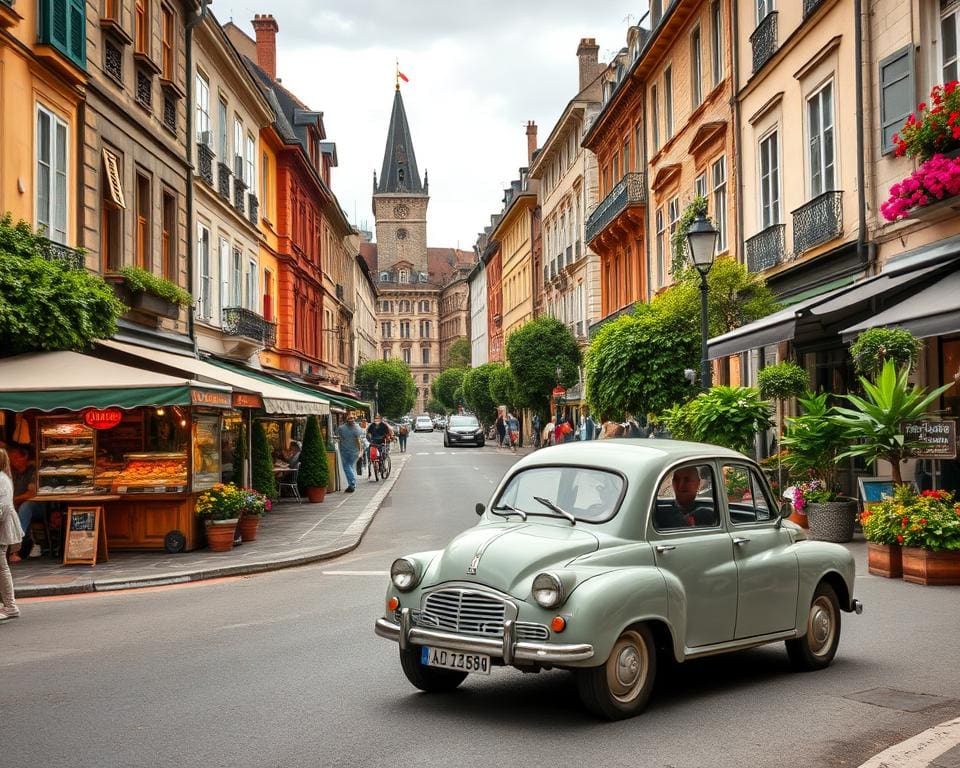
(392, 604)
(558, 624)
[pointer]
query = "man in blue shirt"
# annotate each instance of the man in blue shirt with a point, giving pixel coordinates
(350, 437)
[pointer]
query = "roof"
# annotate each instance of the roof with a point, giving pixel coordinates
(441, 262)
(399, 172)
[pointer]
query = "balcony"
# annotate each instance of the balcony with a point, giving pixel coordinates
(240, 321)
(628, 192)
(765, 249)
(818, 221)
(239, 195)
(253, 209)
(51, 251)
(223, 180)
(809, 6)
(764, 40)
(205, 163)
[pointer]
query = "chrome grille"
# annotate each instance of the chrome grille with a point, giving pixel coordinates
(530, 631)
(460, 610)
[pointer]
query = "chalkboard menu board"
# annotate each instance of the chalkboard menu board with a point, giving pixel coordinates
(939, 438)
(86, 536)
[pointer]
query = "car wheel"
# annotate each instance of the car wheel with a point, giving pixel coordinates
(446, 443)
(818, 646)
(376, 470)
(621, 687)
(428, 679)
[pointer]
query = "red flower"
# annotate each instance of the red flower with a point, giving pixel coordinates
(922, 106)
(904, 521)
(899, 539)
(923, 521)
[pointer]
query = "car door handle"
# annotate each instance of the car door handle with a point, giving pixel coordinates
(740, 540)
(665, 547)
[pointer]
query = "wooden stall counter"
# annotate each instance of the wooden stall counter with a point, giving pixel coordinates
(143, 521)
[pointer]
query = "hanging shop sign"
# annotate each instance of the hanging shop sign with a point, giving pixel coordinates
(559, 391)
(939, 438)
(102, 418)
(209, 397)
(243, 400)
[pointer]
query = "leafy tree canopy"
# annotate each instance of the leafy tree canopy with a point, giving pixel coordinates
(435, 406)
(45, 305)
(458, 354)
(396, 393)
(476, 391)
(534, 352)
(445, 387)
(875, 346)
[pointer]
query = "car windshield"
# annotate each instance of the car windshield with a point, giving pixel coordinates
(590, 495)
(464, 421)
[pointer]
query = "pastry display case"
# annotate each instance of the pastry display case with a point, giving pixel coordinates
(148, 473)
(206, 450)
(66, 450)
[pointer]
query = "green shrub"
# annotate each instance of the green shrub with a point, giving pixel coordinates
(727, 416)
(137, 280)
(263, 478)
(877, 345)
(314, 472)
(240, 456)
(782, 381)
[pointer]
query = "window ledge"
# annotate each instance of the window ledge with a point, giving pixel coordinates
(171, 88)
(145, 63)
(113, 28)
(8, 16)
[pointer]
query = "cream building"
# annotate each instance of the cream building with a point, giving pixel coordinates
(477, 280)
(364, 326)
(513, 231)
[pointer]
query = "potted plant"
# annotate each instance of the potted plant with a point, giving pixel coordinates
(875, 346)
(314, 471)
(146, 292)
(264, 479)
(220, 508)
(882, 528)
(255, 506)
(780, 382)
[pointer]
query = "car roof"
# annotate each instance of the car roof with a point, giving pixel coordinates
(648, 451)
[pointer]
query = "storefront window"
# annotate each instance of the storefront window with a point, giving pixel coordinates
(206, 450)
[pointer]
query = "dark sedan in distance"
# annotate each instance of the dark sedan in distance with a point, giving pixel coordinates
(463, 430)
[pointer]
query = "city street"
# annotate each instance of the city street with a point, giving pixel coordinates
(283, 669)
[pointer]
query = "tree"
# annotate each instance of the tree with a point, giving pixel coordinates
(392, 383)
(314, 470)
(47, 305)
(503, 387)
(458, 354)
(535, 351)
(263, 478)
(445, 386)
(476, 391)
(435, 406)
(240, 456)
(875, 346)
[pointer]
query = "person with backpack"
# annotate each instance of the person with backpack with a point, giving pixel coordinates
(402, 433)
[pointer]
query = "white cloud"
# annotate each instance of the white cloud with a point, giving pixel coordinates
(478, 72)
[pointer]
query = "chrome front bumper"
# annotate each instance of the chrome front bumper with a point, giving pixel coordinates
(506, 648)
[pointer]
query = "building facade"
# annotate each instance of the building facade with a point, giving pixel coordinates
(477, 282)
(514, 233)
(364, 326)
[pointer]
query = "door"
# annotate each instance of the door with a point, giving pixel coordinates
(767, 569)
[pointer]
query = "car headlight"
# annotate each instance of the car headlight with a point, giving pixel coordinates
(403, 574)
(547, 590)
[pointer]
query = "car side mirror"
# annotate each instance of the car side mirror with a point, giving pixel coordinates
(786, 509)
(480, 508)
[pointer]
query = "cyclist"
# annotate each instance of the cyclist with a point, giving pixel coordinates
(379, 434)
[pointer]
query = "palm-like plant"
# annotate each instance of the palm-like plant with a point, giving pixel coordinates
(813, 440)
(875, 421)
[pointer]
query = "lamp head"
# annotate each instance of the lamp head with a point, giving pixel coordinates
(702, 242)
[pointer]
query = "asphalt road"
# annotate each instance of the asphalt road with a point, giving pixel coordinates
(283, 669)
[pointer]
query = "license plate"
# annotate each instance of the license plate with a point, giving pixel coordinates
(462, 662)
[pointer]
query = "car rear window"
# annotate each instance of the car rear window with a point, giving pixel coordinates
(589, 494)
(464, 421)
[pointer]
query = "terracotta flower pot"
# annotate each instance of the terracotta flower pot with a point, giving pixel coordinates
(248, 526)
(220, 534)
(800, 518)
(316, 495)
(885, 560)
(931, 566)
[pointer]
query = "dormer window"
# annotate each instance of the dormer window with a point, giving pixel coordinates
(402, 276)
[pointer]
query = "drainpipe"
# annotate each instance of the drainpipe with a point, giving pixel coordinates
(737, 154)
(188, 43)
(863, 253)
(646, 189)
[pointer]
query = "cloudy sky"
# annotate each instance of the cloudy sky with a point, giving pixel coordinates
(478, 72)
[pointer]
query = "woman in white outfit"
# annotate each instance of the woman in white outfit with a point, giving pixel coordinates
(11, 534)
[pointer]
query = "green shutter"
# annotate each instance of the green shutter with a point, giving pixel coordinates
(63, 25)
(78, 32)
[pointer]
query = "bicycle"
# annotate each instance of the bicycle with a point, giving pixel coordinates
(380, 463)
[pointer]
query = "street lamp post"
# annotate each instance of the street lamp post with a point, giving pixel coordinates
(702, 241)
(376, 398)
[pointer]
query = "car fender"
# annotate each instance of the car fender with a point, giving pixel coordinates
(819, 561)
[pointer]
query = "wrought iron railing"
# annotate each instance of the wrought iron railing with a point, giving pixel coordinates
(764, 40)
(170, 112)
(765, 249)
(818, 221)
(52, 251)
(253, 209)
(240, 321)
(144, 89)
(809, 6)
(239, 193)
(629, 191)
(223, 180)
(205, 162)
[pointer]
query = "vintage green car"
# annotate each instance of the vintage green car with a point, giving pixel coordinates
(600, 556)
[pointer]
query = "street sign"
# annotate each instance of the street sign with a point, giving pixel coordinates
(939, 437)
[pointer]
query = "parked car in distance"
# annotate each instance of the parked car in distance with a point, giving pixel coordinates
(423, 424)
(440, 423)
(609, 557)
(463, 430)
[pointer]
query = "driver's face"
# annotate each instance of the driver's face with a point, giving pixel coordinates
(686, 483)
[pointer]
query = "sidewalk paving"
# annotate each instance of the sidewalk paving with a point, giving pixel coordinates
(292, 534)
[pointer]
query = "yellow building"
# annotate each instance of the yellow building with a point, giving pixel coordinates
(43, 69)
(513, 232)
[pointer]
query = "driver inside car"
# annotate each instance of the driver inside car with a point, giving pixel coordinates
(684, 510)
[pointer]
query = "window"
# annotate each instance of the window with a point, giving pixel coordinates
(746, 496)
(386, 330)
(205, 309)
(386, 354)
(253, 290)
(224, 273)
(426, 378)
(424, 306)
(112, 204)
(267, 295)
(141, 26)
(238, 148)
(668, 102)
(404, 329)
(686, 499)
(425, 329)
(661, 246)
(62, 24)
(425, 355)
(949, 24)
(716, 36)
(251, 164)
(638, 155)
(168, 237)
(700, 185)
(769, 181)
(223, 131)
(203, 110)
(896, 94)
(655, 117)
(111, 9)
(166, 64)
(236, 278)
(402, 276)
(51, 154)
(142, 244)
(821, 149)
(406, 355)
(718, 172)
(264, 184)
(764, 7)
(696, 69)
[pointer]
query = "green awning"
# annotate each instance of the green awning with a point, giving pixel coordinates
(47, 381)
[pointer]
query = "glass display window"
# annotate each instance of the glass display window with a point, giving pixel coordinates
(206, 450)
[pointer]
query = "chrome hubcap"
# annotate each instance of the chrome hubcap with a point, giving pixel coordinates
(627, 667)
(821, 625)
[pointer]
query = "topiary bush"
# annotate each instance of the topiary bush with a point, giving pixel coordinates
(314, 472)
(263, 478)
(877, 345)
(782, 381)
(240, 456)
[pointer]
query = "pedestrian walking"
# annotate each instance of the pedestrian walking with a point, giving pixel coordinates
(11, 534)
(501, 427)
(588, 427)
(402, 433)
(513, 431)
(536, 430)
(351, 444)
(547, 436)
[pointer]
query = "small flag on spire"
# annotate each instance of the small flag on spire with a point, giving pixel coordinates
(403, 76)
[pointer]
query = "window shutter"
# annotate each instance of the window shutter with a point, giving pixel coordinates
(896, 94)
(77, 44)
(58, 29)
(111, 165)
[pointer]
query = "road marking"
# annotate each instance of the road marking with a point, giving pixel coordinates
(921, 750)
(355, 573)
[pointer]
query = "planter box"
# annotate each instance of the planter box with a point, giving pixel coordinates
(931, 566)
(832, 520)
(941, 209)
(143, 302)
(885, 560)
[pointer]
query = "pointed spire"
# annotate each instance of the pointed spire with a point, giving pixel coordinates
(399, 172)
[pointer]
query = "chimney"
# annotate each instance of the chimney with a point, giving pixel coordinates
(531, 141)
(587, 52)
(266, 28)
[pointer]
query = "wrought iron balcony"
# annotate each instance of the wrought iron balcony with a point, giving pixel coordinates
(223, 180)
(764, 40)
(52, 251)
(253, 209)
(239, 193)
(240, 321)
(809, 6)
(765, 249)
(629, 191)
(818, 221)
(205, 162)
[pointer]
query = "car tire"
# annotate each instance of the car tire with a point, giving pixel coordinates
(818, 646)
(621, 687)
(446, 443)
(376, 470)
(428, 679)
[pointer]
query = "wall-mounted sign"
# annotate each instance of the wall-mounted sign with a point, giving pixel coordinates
(939, 437)
(209, 397)
(243, 400)
(102, 418)
(559, 391)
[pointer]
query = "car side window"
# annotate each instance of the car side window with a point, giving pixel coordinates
(686, 499)
(746, 498)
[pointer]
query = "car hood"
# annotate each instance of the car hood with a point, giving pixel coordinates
(464, 430)
(506, 556)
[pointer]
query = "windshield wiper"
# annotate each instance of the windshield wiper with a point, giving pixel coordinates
(508, 508)
(550, 505)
